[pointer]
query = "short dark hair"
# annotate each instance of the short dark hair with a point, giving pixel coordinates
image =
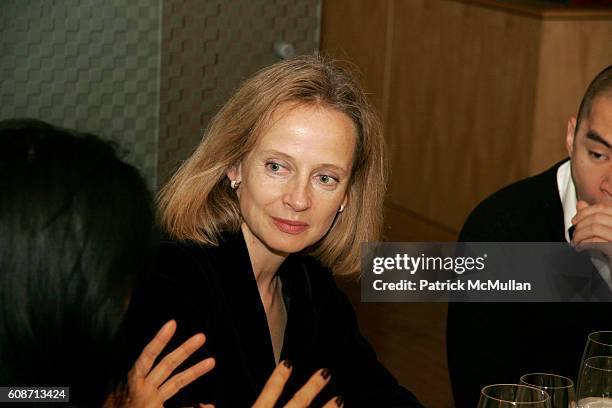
(601, 84)
(75, 228)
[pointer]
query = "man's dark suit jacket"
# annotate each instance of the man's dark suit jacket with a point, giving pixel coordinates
(213, 290)
(497, 343)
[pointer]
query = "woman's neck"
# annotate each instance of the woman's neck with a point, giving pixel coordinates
(264, 261)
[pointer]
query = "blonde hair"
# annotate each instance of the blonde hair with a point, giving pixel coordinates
(198, 203)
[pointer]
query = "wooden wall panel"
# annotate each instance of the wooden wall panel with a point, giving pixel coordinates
(572, 53)
(405, 226)
(460, 103)
(354, 32)
(474, 94)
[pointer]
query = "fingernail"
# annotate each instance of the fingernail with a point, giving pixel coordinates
(339, 401)
(325, 374)
(287, 363)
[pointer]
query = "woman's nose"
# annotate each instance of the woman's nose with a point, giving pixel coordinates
(297, 195)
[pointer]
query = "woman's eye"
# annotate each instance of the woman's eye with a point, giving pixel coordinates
(327, 180)
(274, 167)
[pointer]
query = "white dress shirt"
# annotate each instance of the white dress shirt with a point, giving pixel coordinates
(567, 193)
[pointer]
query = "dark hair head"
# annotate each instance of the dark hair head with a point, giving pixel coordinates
(601, 85)
(75, 225)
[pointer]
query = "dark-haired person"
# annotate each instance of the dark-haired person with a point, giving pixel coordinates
(572, 201)
(278, 197)
(75, 226)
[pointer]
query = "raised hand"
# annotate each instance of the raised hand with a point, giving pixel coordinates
(593, 228)
(148, 385)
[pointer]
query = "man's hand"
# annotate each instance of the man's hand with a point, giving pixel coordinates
(593, 225)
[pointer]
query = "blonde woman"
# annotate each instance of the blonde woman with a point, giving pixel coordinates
(286, 184)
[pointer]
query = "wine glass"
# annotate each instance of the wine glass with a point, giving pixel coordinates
(513, 395)
(595, 383)
(560, 389)
(599, 344)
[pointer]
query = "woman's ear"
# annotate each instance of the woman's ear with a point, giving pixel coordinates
(234, 173)
(344, 202)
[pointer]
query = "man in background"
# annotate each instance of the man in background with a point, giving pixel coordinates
(572, 201)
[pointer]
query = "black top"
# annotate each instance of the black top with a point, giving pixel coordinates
(213, 290)
(499, 342)
(529, 210)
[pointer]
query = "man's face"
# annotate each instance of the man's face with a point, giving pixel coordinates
(590, 151)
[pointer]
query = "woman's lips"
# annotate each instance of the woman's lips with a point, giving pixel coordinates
(288, 226)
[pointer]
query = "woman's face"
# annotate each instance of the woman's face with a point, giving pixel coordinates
(296, 177)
